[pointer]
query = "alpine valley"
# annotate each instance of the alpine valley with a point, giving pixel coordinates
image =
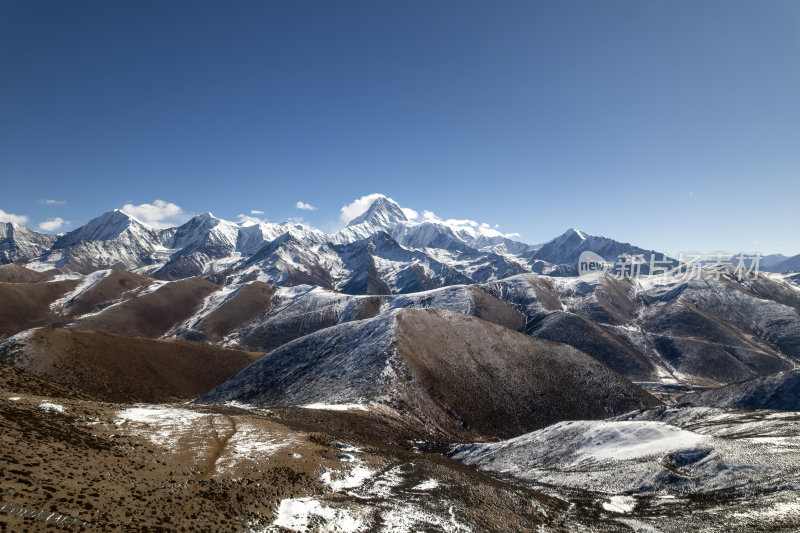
(400, 374)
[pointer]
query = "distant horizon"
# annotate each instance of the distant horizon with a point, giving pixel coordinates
(669, 125)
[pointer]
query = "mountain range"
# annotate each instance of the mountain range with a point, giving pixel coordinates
(379, 252)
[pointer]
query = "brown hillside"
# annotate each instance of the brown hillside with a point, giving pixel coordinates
(16, 380)
(455, 375)
(14, 273)
(107, 290)
(152, 315)
(500, 382)
(27, 305)
(248, 302)
(117, 368)
(490, 308)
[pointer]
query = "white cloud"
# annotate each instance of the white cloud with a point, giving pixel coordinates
(409, 213)
(9, 217)
(303, 205)
(53, 224)
(256, 212)
(247, 220)
(358, 207)
(430, 215)
(462, 222)
(159, 214)
(466, 224)
(53, 202)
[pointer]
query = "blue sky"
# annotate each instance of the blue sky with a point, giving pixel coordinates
(672, 124)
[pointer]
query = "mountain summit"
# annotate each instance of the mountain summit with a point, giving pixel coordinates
(384, 213)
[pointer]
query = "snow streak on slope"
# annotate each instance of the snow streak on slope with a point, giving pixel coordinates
(60, 305)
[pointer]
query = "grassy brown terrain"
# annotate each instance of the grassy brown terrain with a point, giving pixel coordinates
(117, 368)
(27, 305)
(248, 302)
(503, 383)
(602, 343)
(493, 310)
(117, 284)
(14, 273)
(153, 314)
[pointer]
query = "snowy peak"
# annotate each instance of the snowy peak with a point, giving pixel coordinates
(567, 247)
(19, 243)
(571, 235)
(384, 213)
(199, 229)
(578, 232)
(106, 227)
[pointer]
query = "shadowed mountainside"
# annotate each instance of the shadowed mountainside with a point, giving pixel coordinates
(779, 391)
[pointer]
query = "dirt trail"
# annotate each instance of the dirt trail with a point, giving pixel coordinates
(220, 442)
(218, 447)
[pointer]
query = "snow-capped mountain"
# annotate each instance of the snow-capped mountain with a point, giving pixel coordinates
(381, 251)
(18, 243)
(386, 215)
(567, 248)
(112, 240)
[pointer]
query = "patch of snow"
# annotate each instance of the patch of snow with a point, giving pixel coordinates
(240, 405)
(87, 283)
(251, 442)
(620, 504)
(410, 517)
(776, 510)
(347, 447)
(356, 477)
(428, 484)
(386, 482)
(14, 399)
(295, 514)
(638, 526)
(633, 440)
(211, 303)
(336, 406)
(57, 277)
(52, 408)
(162, 425)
